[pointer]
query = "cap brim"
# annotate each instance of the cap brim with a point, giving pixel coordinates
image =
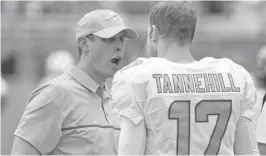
(112, 31)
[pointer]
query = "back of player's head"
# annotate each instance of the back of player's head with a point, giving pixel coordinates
(175, 20)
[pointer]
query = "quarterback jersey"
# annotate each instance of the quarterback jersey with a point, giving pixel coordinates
(187, 108)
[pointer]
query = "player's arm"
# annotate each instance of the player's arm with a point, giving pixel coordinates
(246, 145)
(127, 104)
(40, 127)
(261, 132)
(23, 147)
(132, 139)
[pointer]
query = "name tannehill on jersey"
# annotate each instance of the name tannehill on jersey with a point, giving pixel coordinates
(195, 83)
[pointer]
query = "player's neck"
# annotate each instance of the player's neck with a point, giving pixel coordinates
(175, 53)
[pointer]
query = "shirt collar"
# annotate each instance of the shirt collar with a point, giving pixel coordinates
(107, 92)
(82, 78)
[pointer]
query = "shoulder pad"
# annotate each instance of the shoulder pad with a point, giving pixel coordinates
(133, 64)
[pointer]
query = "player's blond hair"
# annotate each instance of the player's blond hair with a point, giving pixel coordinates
(174, 19)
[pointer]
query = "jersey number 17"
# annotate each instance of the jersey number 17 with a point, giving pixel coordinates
(180, 111)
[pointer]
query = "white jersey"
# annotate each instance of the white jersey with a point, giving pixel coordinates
(187, 108)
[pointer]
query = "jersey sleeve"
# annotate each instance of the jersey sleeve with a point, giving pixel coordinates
(245, 145)
(125, 101)
(250, 97)
(41, 121)
(128, 91)
(261, 127)
(132, 138)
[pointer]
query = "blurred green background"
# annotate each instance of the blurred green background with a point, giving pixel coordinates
(30, 30)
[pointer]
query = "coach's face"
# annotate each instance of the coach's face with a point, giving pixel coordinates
(107, 54)
(151, 46)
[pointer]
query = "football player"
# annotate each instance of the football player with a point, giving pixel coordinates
(175, 105)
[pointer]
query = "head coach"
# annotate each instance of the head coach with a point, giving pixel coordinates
(69, 114)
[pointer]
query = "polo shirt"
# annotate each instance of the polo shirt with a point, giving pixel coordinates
(68, 115)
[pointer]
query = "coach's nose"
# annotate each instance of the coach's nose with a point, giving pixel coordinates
(118, 49)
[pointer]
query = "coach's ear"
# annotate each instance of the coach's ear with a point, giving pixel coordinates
(154, 34)
(82, 43)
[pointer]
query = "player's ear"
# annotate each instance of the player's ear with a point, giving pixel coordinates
(154, 33)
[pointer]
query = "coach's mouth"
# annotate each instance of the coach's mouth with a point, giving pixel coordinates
(116, 60)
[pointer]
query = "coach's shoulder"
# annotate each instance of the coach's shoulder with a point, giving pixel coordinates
(43, 95)
(52, 90)
(46, 90)
(63, 84)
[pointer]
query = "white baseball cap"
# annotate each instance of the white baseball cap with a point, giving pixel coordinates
(104, 24)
